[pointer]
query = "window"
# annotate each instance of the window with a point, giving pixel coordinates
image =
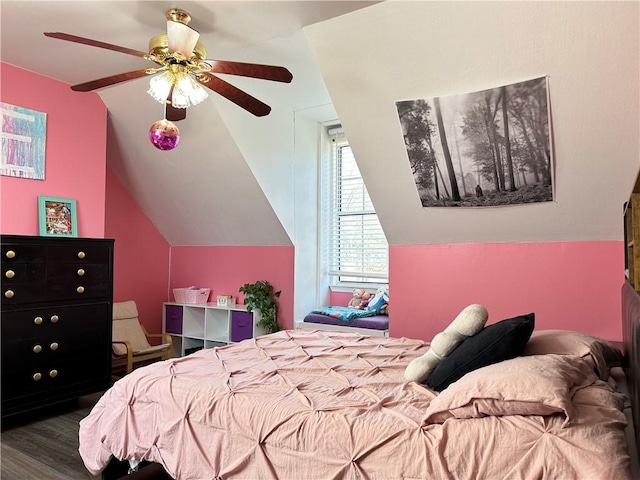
(356, 247)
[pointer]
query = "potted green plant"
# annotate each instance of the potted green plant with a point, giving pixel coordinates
(261, 296)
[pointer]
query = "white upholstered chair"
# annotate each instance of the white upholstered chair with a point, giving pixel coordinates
(131, 347)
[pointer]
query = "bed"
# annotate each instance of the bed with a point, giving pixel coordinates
(316, 404)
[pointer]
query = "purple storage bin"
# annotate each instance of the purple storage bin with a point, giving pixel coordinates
(173, 319)
(241, 326)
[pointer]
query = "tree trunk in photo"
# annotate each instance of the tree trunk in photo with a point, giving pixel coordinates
(494, 163)
(507, 142)
(533, 151)
(455, 139)
(444, 184)
(496, 146)
(455, 193)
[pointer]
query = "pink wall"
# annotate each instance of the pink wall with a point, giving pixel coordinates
(141, 263)
(340, 298)
(75, 154)
(226, 269)
(569, 285)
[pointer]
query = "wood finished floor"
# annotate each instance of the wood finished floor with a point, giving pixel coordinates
(44, 445)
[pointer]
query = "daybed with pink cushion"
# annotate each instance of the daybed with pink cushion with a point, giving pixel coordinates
(312, 404)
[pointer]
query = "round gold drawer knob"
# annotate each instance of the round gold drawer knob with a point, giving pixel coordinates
(53, 346)
(81, 255)
(10, 254)
(10, 274)
(37, 348)
(37, 320)
(54, 318)
(37, 376)
(80, 289)
(53, 373)
(80, 272)
(9, 293)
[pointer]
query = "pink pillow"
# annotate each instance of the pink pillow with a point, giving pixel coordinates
(599, 352)
(534, 385)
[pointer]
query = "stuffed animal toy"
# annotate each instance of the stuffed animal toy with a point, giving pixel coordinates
(366, 298)
(356, 300)
(379, 300)
(468, 322)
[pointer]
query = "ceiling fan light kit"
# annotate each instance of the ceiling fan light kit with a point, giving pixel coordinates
(186, 91)
(182, 73)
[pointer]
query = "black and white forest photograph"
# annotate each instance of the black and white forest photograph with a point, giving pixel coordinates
(480, 149)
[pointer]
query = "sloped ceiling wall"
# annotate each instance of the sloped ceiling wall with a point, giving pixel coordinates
(404, 50)
(211, 198)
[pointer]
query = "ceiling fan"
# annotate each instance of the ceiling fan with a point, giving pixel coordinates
(183, 70)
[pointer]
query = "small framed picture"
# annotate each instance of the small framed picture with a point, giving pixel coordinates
(57, 217)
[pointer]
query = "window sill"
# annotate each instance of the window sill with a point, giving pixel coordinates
(369, 287)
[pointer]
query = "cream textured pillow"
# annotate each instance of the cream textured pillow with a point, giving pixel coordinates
(468, 322)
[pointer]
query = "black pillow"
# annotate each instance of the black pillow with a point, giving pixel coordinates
(503, 340)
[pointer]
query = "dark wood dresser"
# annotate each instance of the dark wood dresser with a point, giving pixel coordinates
(57, 296)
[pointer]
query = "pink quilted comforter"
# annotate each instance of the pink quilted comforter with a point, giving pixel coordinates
(328, 405)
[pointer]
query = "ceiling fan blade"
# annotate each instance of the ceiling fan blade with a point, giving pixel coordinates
(94, 43)
(254, 70)
(182, 38)
(237, 96)
(107, 81)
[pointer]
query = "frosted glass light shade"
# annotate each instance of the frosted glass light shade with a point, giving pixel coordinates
(178, 100)
(187, 92)
(160, 86)
(185, 84)
(198, 95)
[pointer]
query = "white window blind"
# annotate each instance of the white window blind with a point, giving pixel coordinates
(357, 247)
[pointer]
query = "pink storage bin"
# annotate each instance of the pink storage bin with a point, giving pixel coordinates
(191, 295)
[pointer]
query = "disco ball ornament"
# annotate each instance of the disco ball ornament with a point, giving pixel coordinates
(164, 135)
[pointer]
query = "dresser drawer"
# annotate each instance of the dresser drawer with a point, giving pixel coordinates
(56, 283)
(51, 376)
(19, 293)
(13, 253)
(79, 254)
(21, 273)
(51, 323)
(76, 348)
(55, 345)
(77, 282)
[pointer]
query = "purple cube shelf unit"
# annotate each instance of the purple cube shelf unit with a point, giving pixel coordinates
(197, 326)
